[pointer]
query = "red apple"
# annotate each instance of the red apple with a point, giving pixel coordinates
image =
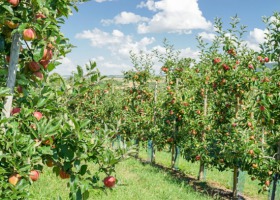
(170, 139)
(14, 179)
(34, 175)
(14, 3)
(216, 60)
(15, 111)
(40, 16)
(197, 157)
(109, 181)
(7, 59)
(63, 174)
(11, 24)
(252, 137)
(38, 115)
(250, 66)
(29, 34)
(267, 183)
(47, 54)
(251, 152)
(38, 75)
(33, 66)
(19, 89)
(226, 67)
(266, 59)
(50, 163)
(164, 69)
(231, 52)
(262, 108)
(259, 58)
(44, 63)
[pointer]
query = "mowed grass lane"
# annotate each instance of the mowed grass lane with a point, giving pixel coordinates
(135, 182)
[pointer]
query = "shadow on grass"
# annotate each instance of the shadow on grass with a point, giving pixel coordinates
(211, 189)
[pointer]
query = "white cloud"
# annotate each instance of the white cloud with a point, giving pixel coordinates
(180, 16)
(255, 38)
(125, 18)
(66, 67)
(150, 4)
(118, 43)
(189, 53)
(109, 67)
(99, 38)
(258, 35)
(207, 36)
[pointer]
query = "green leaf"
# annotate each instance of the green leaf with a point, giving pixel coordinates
(41, 102)
(38, 54)
(83, 170)
(2, 170)
(86, 195)
(85, 123)
(4, 91)
(9, 9)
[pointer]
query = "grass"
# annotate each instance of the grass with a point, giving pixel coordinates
(139, 181)
(136, 181)
(223, 179)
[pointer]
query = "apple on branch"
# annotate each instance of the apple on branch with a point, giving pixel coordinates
(109, 181)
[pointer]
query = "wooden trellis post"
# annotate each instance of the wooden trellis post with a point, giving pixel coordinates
(175, 131)
(201, 174)
(235, 169)
(14, 56)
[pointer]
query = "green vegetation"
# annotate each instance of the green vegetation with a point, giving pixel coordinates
(135, 181)
(213, 176)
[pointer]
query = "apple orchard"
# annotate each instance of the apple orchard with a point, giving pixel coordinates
(222, 110)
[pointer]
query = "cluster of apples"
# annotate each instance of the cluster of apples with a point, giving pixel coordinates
(16, 177)
(29, 34)
(35, 67)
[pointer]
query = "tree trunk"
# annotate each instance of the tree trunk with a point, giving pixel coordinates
(235, 183)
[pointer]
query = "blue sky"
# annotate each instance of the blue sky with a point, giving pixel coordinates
(106, 30)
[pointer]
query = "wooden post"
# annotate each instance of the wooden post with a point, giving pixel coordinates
(235, 182)
(202, 167)
(12, 74)
(235, 170)
(153, 159)
(173, 157)
(276, 176)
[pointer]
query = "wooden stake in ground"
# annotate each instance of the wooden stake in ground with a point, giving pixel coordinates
(201, 173)
(276, 177)
(175, 130)
(235, 170)
(12, 74)
(153, 158)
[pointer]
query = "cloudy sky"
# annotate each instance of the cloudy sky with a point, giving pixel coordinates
(106, 31)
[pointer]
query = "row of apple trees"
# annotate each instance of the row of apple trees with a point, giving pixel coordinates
(45, 121)
(222, 110)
